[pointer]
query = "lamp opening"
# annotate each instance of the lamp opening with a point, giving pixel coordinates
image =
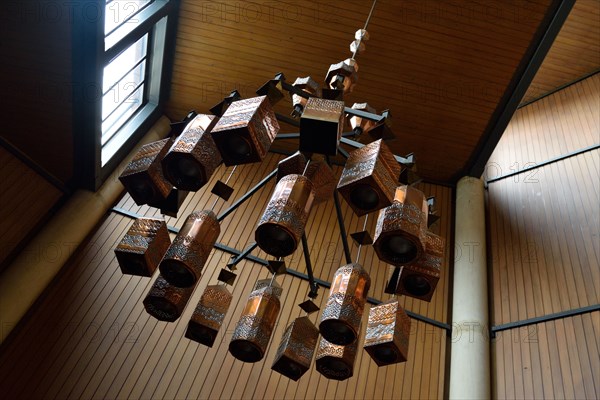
(386, 355)
(337, 332)
(142, 190)
(364, 197)
(177, 274)
(245, 351)
(399, 249)
(275, 240)
(237, 147)
(184, 172)
(416, 285)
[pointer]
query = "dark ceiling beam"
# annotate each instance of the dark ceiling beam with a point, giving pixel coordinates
(540, 45)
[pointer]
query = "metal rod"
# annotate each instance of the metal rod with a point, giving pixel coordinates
(309, 270)
(364, 114)
(365, 28)
(545, 318)
(287, 136)
(360, 244)
(287, 120)
(340, 217)
(358, 145)
(243, 254)
(344, 153)
(247, 195)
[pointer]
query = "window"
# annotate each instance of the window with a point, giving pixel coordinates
(126, 52)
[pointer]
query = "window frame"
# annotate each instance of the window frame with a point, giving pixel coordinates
(159, 21)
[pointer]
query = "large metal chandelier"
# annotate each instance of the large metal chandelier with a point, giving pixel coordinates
(241, 131)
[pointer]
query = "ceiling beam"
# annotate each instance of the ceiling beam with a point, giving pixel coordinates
(540, 45)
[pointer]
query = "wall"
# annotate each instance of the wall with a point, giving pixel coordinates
(91, 337)
(38, 85)
(544, 246)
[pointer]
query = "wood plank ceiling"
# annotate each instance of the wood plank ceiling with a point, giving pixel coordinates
(441, 67)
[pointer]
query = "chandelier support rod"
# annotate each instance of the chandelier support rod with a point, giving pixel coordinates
(365, 28)
(340, 217)
(247, 195)
(287, 120)
(311, 278)
(242, 255)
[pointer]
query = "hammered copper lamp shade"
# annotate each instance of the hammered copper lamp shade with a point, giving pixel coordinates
(293, 164)
(193, 157)
(281, 226)
(209, 315)
(322, 178)
(255, 326)
(321, 126)
(334, 361)
(143, 176)
(369, 178)
(183, 263)
(245, 131)
(388, 331)
(419, 279)
(343, 311)
(296, 350)
(166, 302)
(143, 246)
(401, 228)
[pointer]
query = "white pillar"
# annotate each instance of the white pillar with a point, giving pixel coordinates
(470, 351)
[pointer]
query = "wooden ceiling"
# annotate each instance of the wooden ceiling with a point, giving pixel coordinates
(441, 67)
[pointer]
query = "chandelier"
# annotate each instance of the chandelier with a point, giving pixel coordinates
(373, 180)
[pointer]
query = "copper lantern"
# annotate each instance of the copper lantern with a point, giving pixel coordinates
(166, 302)
(401, 228)
(143, 246)
(334, 361)
(209, 315)
(310, 86)
(245, 131)
(281, 226)
(296, 350)
(361, 125)
(193, 157)
(419, 279)
(143, 176)
(369, 178)
(341, 317)
(183, 263)
(293, 164)
(386, 339)
(343, 75)
(255, 326)
(321, 126)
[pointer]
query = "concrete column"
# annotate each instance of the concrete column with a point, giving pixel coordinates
(470, 351)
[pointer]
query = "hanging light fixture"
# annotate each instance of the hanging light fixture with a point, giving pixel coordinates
(242, 131)
(245, 131)
(143, 246)
(183, 263)
(166, 302)
(255, 326)
(282, 224)
(401, 228)
(388, 332)
(341, 316)
(193, 157)
(143, 177)
(209, 314)
(369, 178)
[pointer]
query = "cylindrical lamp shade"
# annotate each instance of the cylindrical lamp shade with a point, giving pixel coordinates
(209, 315)
(419, 279)
(245, 131)
(388, 332)
(193, 157)
(254, 328)
(334, 361)
(369, 178)
(401, 228)
(282, 224)
(341, 317)
(296, 349)
(183, 263)
(166, 302)
(143, 177)
(143, 246)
